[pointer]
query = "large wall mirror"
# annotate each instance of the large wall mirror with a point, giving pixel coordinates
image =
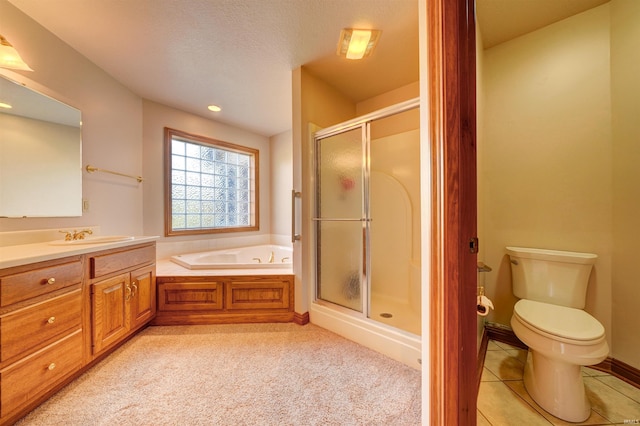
(40, 154)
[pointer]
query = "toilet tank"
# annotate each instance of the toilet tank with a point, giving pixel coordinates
(551, 276)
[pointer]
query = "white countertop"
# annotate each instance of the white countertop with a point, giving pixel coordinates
(167, 268)
(38, 252)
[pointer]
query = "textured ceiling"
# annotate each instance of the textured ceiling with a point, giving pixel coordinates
(238, 54)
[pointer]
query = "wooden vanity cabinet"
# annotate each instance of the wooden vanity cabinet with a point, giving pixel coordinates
(123, 294)
(41, 331)
(59, 317)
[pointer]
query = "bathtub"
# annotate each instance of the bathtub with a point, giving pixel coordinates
(254, 257)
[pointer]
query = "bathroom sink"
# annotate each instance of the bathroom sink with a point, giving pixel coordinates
(93, 240)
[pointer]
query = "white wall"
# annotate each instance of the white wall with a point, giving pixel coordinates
(39, 159)
(117, 126)
(111, 132)
(155, 118)
(545, 161)
(281, 166)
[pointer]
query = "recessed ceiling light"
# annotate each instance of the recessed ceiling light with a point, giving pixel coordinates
(357, 43)
(214, 108)
(3, 105)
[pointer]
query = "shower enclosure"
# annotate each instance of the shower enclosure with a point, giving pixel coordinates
(367, 218)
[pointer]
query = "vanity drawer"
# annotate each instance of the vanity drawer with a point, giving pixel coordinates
(35, 375)
(21, 286)
(108, 263)
(32, 328)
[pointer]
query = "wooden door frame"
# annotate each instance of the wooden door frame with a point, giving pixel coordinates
(452, 134)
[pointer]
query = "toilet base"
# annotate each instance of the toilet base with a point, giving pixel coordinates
(557, 387)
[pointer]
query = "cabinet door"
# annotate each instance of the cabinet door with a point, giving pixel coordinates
(110, 313)
(143, 298)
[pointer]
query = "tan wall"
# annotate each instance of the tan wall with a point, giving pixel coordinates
(111, 130)
(392, 97)
(625, 94)
(480, 167)
(545, 162)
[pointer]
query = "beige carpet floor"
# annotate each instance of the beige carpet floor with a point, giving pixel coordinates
(245, 374)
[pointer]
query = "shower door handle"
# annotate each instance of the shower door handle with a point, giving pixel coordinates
(294, 194)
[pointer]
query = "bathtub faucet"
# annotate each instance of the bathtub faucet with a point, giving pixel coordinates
(258, 259)
(271, 258)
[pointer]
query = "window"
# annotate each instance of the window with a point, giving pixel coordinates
(211, 186)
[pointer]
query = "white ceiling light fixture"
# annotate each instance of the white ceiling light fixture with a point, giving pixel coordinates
(214, 108)
(9, 57)
(357, 43)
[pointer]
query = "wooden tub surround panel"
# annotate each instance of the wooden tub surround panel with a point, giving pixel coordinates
(225, 299)
(188, 296)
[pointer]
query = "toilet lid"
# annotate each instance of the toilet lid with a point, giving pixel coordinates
(561, 321)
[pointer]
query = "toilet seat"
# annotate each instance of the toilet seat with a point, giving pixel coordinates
(568, 324)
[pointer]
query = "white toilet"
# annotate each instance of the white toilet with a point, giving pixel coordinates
(549, 319)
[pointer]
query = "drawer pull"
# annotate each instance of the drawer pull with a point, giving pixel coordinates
(135, 289)
(51, 280)
(128, 293)
(51, 320)
(51, 366)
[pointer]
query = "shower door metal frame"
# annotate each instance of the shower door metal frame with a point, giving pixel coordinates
(364, 123)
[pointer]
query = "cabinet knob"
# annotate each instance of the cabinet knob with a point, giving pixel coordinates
(51, 280)
(51, 320)
(51, 366)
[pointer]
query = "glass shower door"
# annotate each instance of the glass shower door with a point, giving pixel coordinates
(341, 267)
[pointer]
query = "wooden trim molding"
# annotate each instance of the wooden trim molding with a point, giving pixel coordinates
(452, 133)
(301, 319)
(504, 335)
(612, 366)
(625, 372)
(482, 352)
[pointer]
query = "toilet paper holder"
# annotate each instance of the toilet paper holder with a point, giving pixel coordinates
(484, 304)
(483, 268)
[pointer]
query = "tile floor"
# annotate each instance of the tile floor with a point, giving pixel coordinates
(503, 400)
